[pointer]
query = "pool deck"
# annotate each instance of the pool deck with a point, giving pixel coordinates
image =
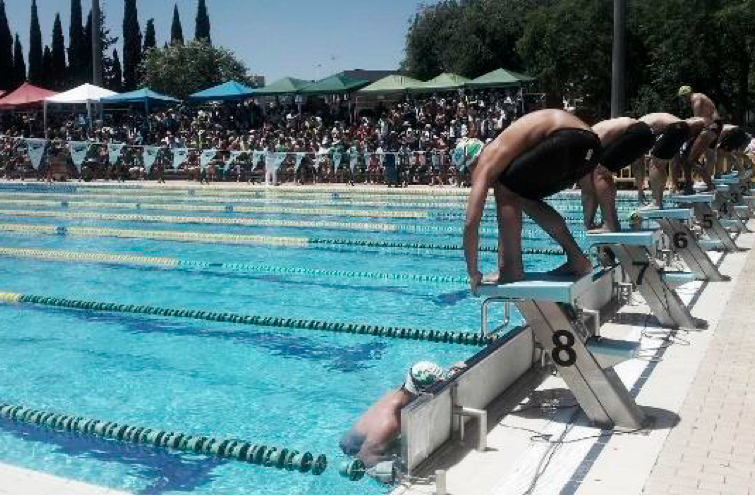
(15, 480)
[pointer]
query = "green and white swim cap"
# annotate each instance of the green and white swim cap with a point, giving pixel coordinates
(466, 152)
(422, 375)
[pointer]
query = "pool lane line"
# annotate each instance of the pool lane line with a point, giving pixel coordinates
(116, 258)
(405, 214)
(246, 239)
(320, 212)
(232, 449)
(204, 199)
(251, 222)
(410, 334)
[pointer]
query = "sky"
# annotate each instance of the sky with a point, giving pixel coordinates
(307, 39)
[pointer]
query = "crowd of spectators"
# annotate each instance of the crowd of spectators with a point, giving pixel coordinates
(403, 142)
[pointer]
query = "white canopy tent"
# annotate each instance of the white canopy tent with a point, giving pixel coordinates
(85, 94)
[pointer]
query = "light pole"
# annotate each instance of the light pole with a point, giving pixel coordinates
(618, 93)
(96, 44)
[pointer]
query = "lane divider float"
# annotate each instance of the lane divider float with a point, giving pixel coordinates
(233, 449)
(246, 239)
(111, 258)
(450, 337)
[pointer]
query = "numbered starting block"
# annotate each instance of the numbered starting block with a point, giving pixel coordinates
(675, 225)
(564, 316)
(635, 251)
(730, 204)
(703, 208)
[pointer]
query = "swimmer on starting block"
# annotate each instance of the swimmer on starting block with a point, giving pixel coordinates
(732, 145)
(373, 438)
(671, 133)
(539, 155)
(624, 141)
(702, 107)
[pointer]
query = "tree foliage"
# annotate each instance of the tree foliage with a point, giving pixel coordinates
(114, 77)
(202, 29)
(176, 30)
(132, 45)
(79, 54)
(566, 44)
(150, 37)
(36, 75)
(6, 51)
(47, 72)
(58, 54)
(19, 66)
(181, 70)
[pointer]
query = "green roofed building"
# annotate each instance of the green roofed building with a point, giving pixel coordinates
(391, 84)
(283, 86)
(338, 83)
(500, 78)
(444, 82)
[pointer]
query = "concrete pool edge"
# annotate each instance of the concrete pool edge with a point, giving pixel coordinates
(17, 480)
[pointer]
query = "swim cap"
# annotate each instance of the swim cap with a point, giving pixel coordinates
(466, 152)
(422, 375)
(684, 91)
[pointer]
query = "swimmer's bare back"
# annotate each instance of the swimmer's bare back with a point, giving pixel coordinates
(659, 121)
(520, 136)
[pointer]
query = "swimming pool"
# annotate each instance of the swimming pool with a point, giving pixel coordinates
(364, 262)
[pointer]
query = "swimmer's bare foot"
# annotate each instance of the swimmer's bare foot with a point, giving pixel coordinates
(578, 268)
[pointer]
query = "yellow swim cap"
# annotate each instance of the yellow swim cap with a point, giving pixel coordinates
(684, 91)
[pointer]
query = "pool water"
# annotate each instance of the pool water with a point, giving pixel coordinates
(298, 389)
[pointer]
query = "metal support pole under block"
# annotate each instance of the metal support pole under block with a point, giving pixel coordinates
(601, 394)
(662, 300)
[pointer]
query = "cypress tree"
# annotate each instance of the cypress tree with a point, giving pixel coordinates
(48, 75)
(6, 51)
(86, 57)
(150, 38)
(115, 81)
(19, 66)
(58, 54)
(132, 46)
(202, 31)
(176, 31)
(78, 52)
(35, 47)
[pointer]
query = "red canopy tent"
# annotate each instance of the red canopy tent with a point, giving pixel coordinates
(27, 95)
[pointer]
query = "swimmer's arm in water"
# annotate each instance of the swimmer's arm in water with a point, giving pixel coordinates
(375, 446)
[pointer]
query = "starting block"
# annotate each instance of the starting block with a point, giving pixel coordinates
(728, 204)
(557, 310)
(702, 207)
(634, 250)
(674, 224)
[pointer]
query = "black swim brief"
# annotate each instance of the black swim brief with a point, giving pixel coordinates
(735, 140)
(628, 147)
(670, 141)
(554, 164)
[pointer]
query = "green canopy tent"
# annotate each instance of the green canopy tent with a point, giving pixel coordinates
(332, 85)
(283, 86)
(444, 82)
(500, 78)
(390, 84)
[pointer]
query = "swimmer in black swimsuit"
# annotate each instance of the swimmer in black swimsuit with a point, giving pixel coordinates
(539, 155)
(671, 133)
(624, 140)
